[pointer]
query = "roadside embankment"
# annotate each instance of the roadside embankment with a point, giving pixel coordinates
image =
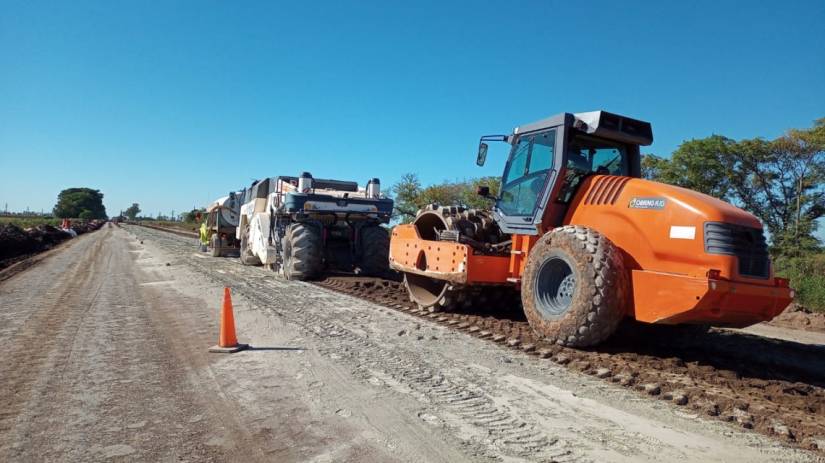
(17, 243)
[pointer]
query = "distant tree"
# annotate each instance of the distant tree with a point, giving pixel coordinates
(132, 211)
(410, 197)
(652, 166)
(191, 216)
(699, 165)
(406, 196)
(469, 194)
(80, 203)
(783, 183)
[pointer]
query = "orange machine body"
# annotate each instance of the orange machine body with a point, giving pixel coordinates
(661, 232)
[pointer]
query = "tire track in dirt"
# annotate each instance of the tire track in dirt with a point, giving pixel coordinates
(505, 432)
(774, 387)
(788, 410)
(94, 363)
(493, 429)
(26, 355)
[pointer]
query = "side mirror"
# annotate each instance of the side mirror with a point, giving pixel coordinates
(482, 154)
(483, 191)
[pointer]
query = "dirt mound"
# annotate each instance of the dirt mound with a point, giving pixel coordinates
(85, 227)
(800, 318)
(17, 243)
(14, 241)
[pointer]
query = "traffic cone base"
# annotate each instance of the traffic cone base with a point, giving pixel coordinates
(227, 342)
(228, 350)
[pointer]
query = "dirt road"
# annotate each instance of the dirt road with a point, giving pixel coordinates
(104, 357)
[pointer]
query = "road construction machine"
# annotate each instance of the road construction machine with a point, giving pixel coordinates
(588, 243)
(302, 226)
(221, 223)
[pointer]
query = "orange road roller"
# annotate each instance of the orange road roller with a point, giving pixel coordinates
(587, 242)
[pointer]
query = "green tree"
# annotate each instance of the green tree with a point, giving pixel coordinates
(783, 183)
(469, 193)
(698, 164)
(80, 203)
(406, 194)
(190, 217)
(409, 195)
(652, 166)
(132, 211)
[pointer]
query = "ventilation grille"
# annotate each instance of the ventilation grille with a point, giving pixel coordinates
(746, 243)
(605, 189)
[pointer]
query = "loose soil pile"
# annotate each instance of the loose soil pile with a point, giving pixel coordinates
(800, 318)
(17, 243)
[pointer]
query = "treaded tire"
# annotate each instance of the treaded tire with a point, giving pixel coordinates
(375, 251)
(216, 245)
(303, 251)
(592, 310)
(246, 256)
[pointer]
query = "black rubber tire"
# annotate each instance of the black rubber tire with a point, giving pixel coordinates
(303, 252)
(597, 302)
(246, 256)
(216, 245)
(375, 251)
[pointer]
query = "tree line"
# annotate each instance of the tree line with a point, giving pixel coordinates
(132, 213)
(410, 196)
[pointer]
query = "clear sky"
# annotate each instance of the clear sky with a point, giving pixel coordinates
(172, 104)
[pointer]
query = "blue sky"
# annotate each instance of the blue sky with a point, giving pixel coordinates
(171, 104)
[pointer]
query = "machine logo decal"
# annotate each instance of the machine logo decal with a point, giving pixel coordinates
(647, 203)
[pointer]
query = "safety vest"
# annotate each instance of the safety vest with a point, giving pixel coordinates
(204, 233)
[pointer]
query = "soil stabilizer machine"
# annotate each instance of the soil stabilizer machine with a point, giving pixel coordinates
(588, 243)
(303, 226)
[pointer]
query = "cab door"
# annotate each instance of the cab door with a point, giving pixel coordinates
(531, 170)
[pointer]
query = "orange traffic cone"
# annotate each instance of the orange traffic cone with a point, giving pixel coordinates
(227, 342)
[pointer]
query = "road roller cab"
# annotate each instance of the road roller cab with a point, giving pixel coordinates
(587, 242)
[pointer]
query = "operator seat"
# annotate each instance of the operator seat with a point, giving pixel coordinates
(576, 161)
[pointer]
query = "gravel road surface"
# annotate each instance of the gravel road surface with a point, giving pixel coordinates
(105, 358)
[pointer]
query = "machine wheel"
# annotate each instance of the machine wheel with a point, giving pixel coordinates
(216, 245)
(440, 295)
(303, 251)
(247, 258)
(574, 288)
(375, 251)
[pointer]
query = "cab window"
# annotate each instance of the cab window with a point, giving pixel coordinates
(526, 173)
(587, 156)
